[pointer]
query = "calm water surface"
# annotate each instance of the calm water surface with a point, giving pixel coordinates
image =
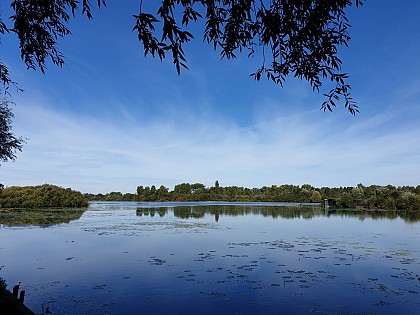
(189, 258)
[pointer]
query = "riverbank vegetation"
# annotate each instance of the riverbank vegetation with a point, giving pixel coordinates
(41, 196)
(365, 197)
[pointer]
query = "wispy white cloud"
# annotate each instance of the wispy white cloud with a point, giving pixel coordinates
(98, 156)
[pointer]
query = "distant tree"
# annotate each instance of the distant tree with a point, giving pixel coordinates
(373, 197)
(357, 192)
(293, 37)
(307, 187)
(9, 143)
(408, 200)
(162, 192)
(316, 196)
(184, 188)
(198, 188)
(140, 190)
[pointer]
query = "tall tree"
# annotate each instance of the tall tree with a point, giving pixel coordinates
(9, 143)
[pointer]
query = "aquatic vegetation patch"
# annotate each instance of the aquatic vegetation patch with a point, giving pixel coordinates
(140, 228)
(261, 268)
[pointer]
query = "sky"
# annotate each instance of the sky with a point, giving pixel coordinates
(111, 119)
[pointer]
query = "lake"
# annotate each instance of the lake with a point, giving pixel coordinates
(212, 258)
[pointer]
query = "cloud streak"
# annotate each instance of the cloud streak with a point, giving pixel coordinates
(95, 155)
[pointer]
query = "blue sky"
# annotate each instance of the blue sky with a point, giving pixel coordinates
(111, 120)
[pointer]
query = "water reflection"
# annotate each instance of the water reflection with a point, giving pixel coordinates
(173, 258)
(200, 211)
(43, 217)
(152, 211)
(407, 216)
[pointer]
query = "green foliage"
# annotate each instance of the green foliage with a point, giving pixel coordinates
(345, 201)
(41, 196)
(38, 25)
(183, 188)
(298, 38)
(316, 196)
(360, 197)
(9, 143)
(408, 200)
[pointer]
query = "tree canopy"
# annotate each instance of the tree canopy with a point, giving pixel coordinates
(297, 38)
(9, 143)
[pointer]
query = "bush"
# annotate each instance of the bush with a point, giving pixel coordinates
(41, 196)
(408, 201)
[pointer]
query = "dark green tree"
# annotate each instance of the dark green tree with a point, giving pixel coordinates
(162, 192)
(9, 143)
(184, 188)
(140, 190)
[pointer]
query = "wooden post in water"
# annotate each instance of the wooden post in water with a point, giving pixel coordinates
(16, 290)
(22, 296)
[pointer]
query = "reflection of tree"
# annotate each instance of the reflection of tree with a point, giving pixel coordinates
(284, 212)
(186, 212)
(407, 216)
(410, 216)
(161, 211)
(42, 217)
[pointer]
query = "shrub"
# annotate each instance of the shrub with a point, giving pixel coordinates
(41, 196)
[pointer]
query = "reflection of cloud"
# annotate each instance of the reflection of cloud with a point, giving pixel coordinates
(98, 156)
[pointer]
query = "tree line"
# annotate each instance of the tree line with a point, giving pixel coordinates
(367, 197)
(41, 196)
